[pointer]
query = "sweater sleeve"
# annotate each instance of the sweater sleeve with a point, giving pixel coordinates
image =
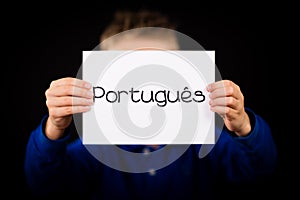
(51, 168)
(249, 158)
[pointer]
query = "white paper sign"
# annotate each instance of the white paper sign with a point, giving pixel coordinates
(149, 97)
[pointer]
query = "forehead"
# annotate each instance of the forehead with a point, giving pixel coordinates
(145, 43)
(140, 42)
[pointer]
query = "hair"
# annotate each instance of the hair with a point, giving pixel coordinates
(124, 20)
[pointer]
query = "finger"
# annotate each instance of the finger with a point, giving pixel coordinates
(221, 110)
(68, 101)
(219, 84)
(68, 90)
(224, 101)
(71, 81)
(224, 111)
(222, 92)
(68, 110)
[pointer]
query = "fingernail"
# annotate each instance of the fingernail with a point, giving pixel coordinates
(88, 108)
(88, 85)
(90, 101)
(208, 88)
(90, 94)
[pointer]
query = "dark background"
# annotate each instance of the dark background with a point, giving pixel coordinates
(45, 43)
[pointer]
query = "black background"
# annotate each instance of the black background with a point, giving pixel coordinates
(45, 43)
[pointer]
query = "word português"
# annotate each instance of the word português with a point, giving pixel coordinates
(161, 97)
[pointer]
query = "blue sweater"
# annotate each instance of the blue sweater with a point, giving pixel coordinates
(61, 168)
